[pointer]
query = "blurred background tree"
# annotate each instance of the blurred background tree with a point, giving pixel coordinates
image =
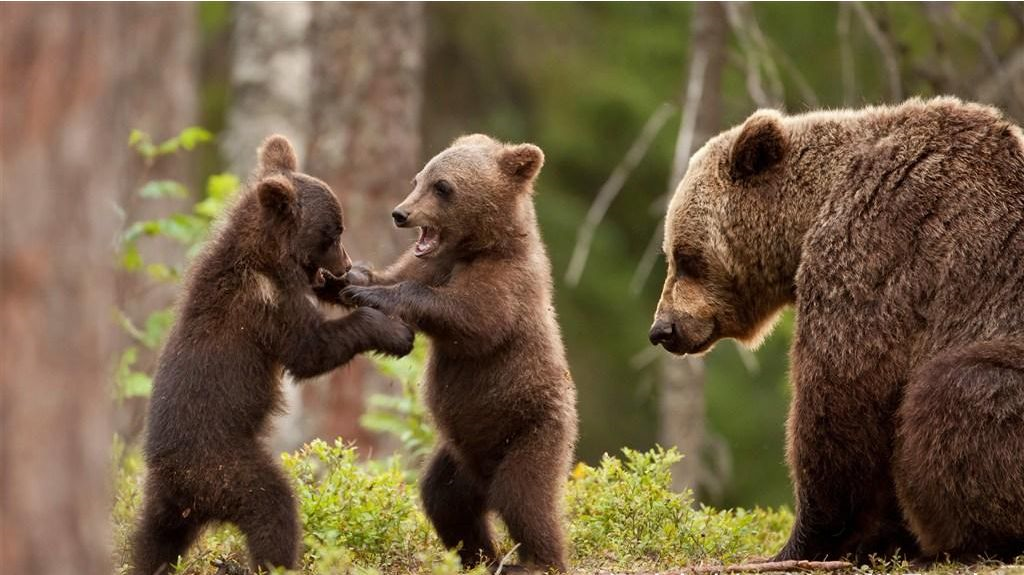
(368, 93)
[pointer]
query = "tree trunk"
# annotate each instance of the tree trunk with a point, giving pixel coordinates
(271, 80)
(365, 143)
(73, 75)
(342, 82)
(682, 380)
(271, 86)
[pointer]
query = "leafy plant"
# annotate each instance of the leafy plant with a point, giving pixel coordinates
(188, 229)
(364, 517)
(403, 415)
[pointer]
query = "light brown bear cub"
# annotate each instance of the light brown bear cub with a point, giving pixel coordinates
(478, 283)
(898, 234)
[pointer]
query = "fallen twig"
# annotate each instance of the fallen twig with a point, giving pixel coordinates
(770, 567)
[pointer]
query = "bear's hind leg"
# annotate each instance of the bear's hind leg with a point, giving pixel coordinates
(960, 452)
(164, 533)
(260, 502)
(456, 506)
(527, 492)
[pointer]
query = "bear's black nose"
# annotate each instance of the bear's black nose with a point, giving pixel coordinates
(400, 217)
(661, 332)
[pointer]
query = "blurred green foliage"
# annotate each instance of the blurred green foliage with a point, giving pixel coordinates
(403, 415)
(188, 229)
(580, 79)
(364, 517)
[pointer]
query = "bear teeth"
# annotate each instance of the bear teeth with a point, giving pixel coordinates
(428, 242)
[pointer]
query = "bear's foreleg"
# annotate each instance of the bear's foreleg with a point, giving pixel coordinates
(314, 346)
(471, 308)
(456, 506)
(960, 452)
(839, 451)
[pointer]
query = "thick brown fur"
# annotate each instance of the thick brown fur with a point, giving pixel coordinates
(246, 316)
(497, 380)
(898, 234)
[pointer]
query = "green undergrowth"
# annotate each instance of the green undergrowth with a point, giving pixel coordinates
(363, 517)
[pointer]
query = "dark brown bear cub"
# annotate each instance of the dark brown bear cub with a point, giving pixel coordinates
(478, 282)
(897, 232)
(246, 316)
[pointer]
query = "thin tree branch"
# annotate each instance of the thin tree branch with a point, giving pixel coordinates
(680, 159)
(646, 264)
(611, 189)
(755, 86)
(763, 52)
(979, 39)
(807, 93)
(688, 122)
(1007, 78)
(885, 47)
(847, 65)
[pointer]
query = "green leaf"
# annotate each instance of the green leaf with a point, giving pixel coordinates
(168, 147)
(136, 137)
(157, 325)
(163, 189)
(219, 189)
(162, 272)
(137, 384)
(222, 186)
(128, 382)
(131, 259)
(193, 135)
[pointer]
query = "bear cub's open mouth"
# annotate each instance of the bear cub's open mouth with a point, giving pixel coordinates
(430, 238)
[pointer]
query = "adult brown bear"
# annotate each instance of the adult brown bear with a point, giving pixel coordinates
(898, 234)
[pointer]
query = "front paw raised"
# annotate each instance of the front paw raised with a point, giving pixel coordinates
(357, 296)
(390, 336)
(359, 275)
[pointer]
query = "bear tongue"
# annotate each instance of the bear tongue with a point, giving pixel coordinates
(427, 243)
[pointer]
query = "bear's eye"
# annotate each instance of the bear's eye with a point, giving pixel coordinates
(443, 189)
(689, 265)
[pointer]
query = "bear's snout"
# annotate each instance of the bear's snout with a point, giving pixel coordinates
(684, 334)
(400, 216)
(662, 332)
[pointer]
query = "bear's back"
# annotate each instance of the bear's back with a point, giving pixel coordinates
(929, 236)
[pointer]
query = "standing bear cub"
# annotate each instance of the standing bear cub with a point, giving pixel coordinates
(245, 317)
(898, 233)
(478, 283)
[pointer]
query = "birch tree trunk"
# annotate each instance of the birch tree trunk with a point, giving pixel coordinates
(342, 82)
(72, 78)
(681, 407)
(271, 85)
(365, 143)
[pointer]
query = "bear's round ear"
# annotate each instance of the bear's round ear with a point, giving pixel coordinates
(277, 155)
(760, 145)
(474, 140)
(278, 198)
(521, 162)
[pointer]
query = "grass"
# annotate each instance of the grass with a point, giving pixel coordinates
(364, 518)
